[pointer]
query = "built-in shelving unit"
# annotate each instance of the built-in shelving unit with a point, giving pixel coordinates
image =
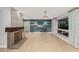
(63, 32)
(71, 33)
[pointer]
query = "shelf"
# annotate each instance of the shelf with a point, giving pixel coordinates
(63, 32)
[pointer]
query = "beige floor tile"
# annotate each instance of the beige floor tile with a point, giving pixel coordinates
(43, 42)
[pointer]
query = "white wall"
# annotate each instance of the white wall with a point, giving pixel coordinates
(27, 26)
(54, 26)
(5, 21)
(16, 18)
(74, 28)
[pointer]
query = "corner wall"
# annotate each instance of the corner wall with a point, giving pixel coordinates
(54, 26)
(74, 27)
(5, 21)
(27, 26)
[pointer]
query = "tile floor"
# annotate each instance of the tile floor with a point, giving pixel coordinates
(43, 42)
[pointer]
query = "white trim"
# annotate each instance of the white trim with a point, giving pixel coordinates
(3, 46)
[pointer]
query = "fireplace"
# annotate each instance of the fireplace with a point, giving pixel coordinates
(15, 37)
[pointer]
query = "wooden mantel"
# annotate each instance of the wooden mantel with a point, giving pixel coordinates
(12, 29)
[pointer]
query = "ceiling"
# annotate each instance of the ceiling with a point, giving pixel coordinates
(38, 12)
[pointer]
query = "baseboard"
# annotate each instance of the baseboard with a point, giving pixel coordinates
(3, 46)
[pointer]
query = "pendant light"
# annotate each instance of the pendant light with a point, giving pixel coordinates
(45, 14)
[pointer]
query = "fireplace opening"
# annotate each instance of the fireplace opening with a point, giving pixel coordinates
(17, 37)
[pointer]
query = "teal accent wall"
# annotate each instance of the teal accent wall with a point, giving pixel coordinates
(40, 25)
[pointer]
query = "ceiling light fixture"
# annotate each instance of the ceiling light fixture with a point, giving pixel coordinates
(45, 14)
